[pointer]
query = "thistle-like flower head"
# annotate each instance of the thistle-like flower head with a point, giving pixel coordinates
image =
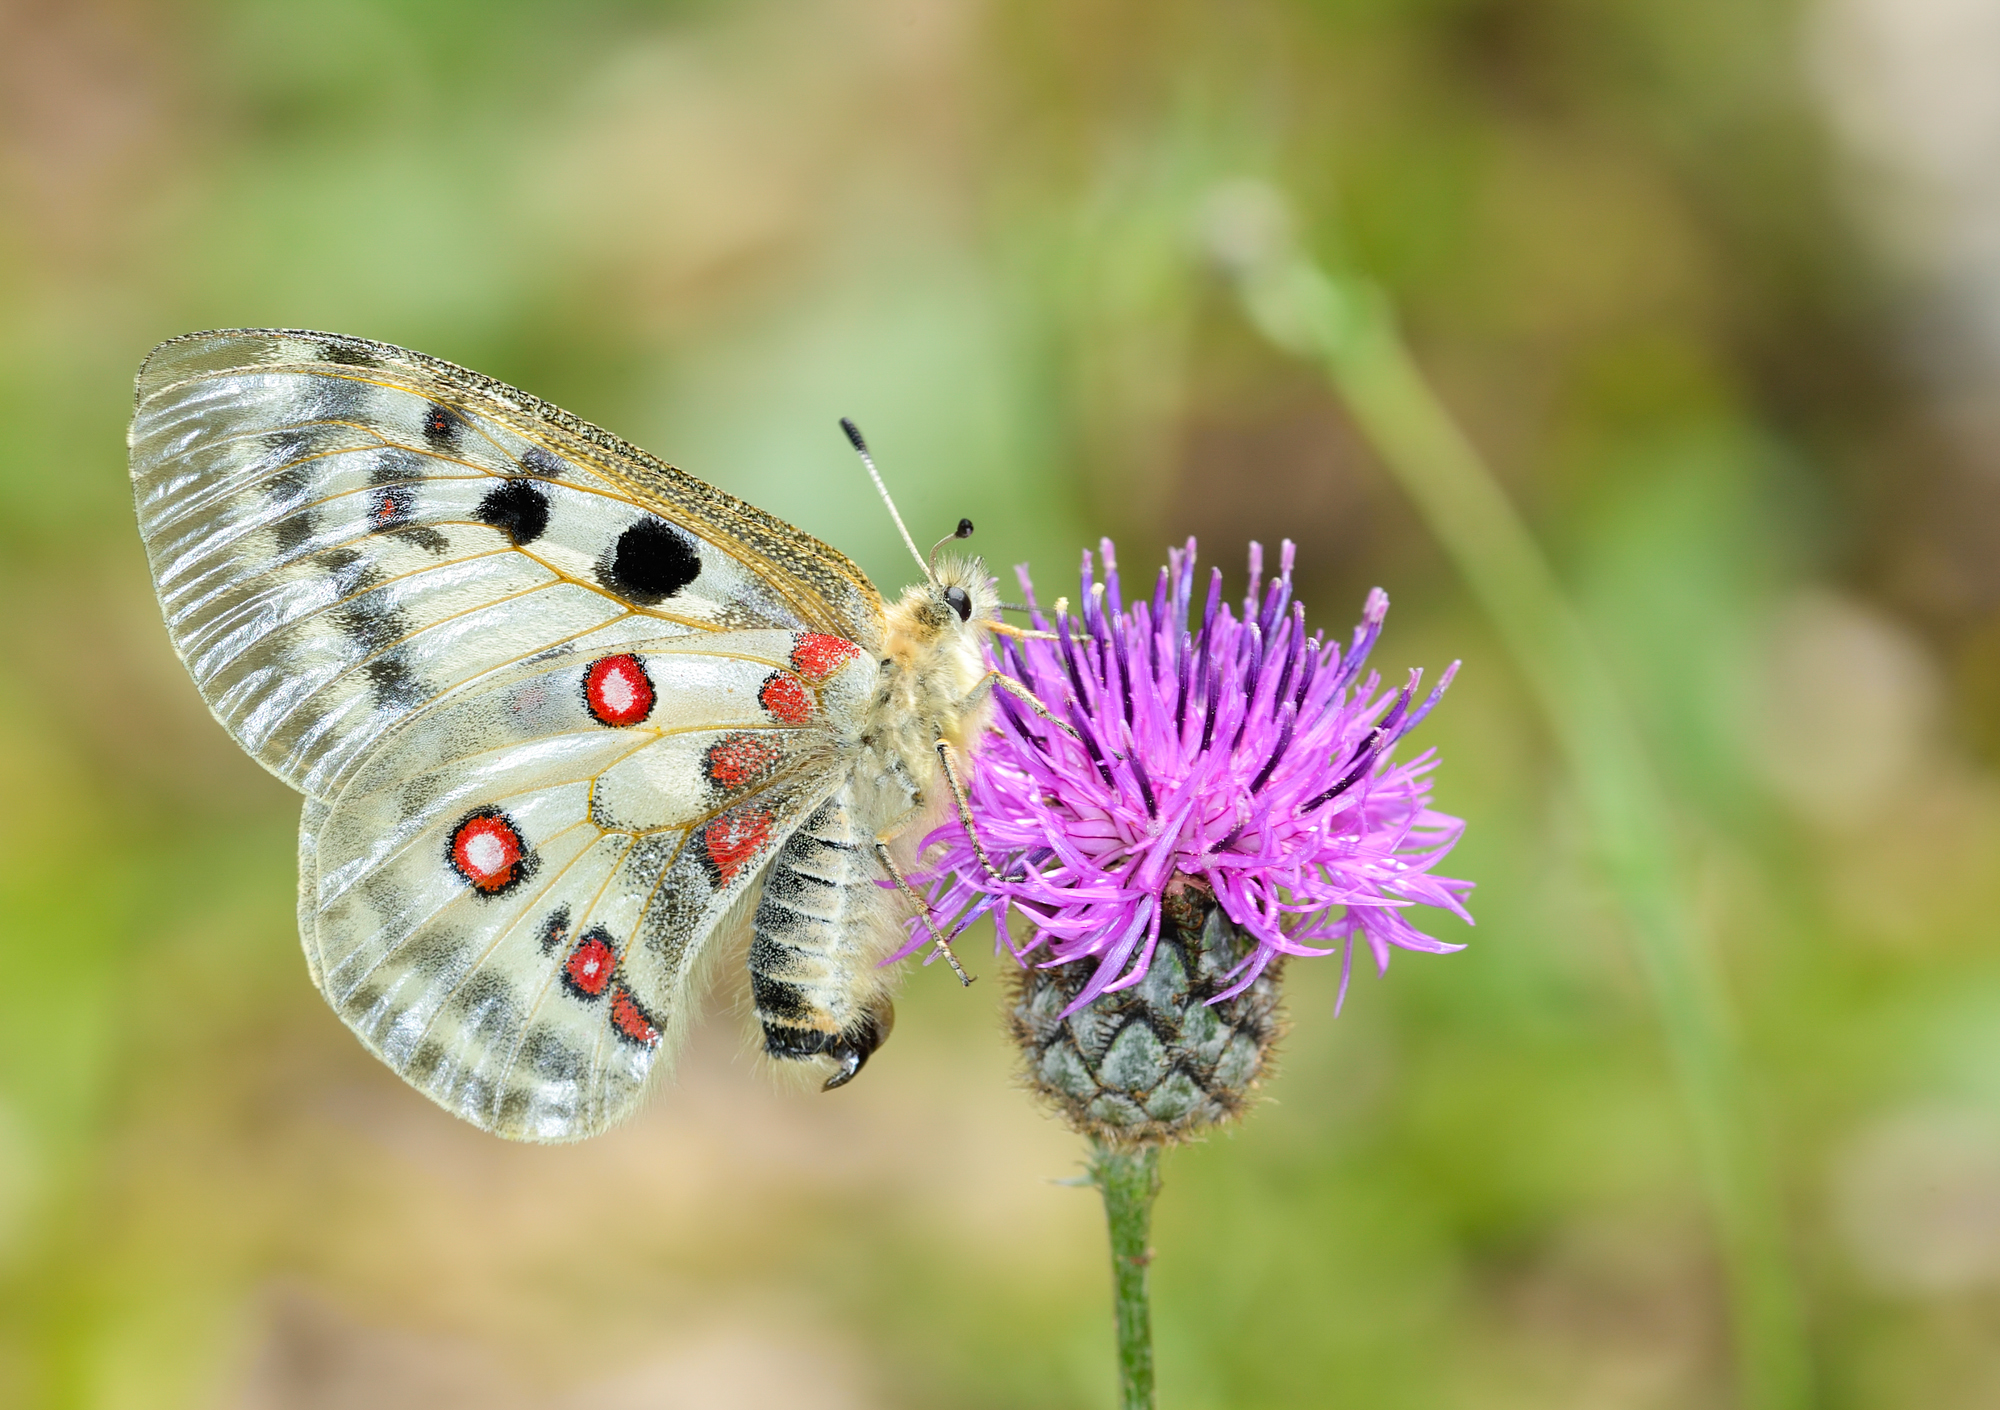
(1232, 757)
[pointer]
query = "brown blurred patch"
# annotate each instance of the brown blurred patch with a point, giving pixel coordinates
(1296, 472)
(82, 107)
(312, 1354)
(1609, 1315)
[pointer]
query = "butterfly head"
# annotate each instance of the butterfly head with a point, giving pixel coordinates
(956, 600)
(966, 575)
(955, 604)
(936, 638)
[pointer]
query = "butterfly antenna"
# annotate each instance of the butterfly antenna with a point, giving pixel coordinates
(963, 531)
(861, 449)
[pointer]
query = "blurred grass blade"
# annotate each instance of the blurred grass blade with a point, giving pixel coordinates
(1348, 326)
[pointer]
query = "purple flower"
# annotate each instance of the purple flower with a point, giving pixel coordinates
(1243, 757)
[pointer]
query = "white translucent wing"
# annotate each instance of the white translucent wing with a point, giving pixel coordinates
(507, 899)
(553, 703)
(343, 532)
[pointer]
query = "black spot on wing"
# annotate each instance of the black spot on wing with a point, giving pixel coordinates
(520, 507)
(545, 1054)
(293, 533)
(295, 526)
(288, 487)
(349, 568)
(555, 930)
(437, 955)
(537, 461)
(426, 538)
(372, 624)
(365, 1001)
(369, 619)
(488, 1008)
(677, 915)
(426, 1061)
(347, 354)
(395, 681)
(520, 1104)
(515, 1104)
(390, 507)
(336, 561)
(441, 424)
(397, 475)
(651, 562)
(390, 511)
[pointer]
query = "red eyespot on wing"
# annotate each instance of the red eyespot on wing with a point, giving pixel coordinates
(586, 973)
(631, 1022)
(738, 760)
(618, 691)
(487, 852)
(817, 656)
(729, 842)
(786, 697)
(390, 506)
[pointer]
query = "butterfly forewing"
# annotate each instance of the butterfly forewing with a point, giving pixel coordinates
(342, 532)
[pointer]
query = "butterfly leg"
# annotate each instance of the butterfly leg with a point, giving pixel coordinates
(923, 908)
(964, 808)
(993, 679)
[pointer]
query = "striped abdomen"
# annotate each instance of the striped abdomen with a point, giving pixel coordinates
(816, 938)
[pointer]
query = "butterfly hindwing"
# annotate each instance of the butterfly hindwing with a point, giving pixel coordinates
(343, 532)
(509, 898)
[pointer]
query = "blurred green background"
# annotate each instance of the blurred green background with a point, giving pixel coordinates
(1714, 284)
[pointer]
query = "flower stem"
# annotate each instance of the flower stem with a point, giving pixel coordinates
(1348, 327)
(1129, 1180)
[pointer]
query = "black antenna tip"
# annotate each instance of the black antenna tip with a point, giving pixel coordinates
(854, 435)
(964, 529)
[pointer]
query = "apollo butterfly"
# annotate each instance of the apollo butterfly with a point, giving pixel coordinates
(556, 708)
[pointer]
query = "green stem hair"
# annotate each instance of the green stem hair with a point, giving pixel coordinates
(1129, 1180)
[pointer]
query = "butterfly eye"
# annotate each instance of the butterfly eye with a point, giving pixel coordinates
(960, 602)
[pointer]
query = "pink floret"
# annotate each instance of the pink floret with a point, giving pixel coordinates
(1240, 755)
